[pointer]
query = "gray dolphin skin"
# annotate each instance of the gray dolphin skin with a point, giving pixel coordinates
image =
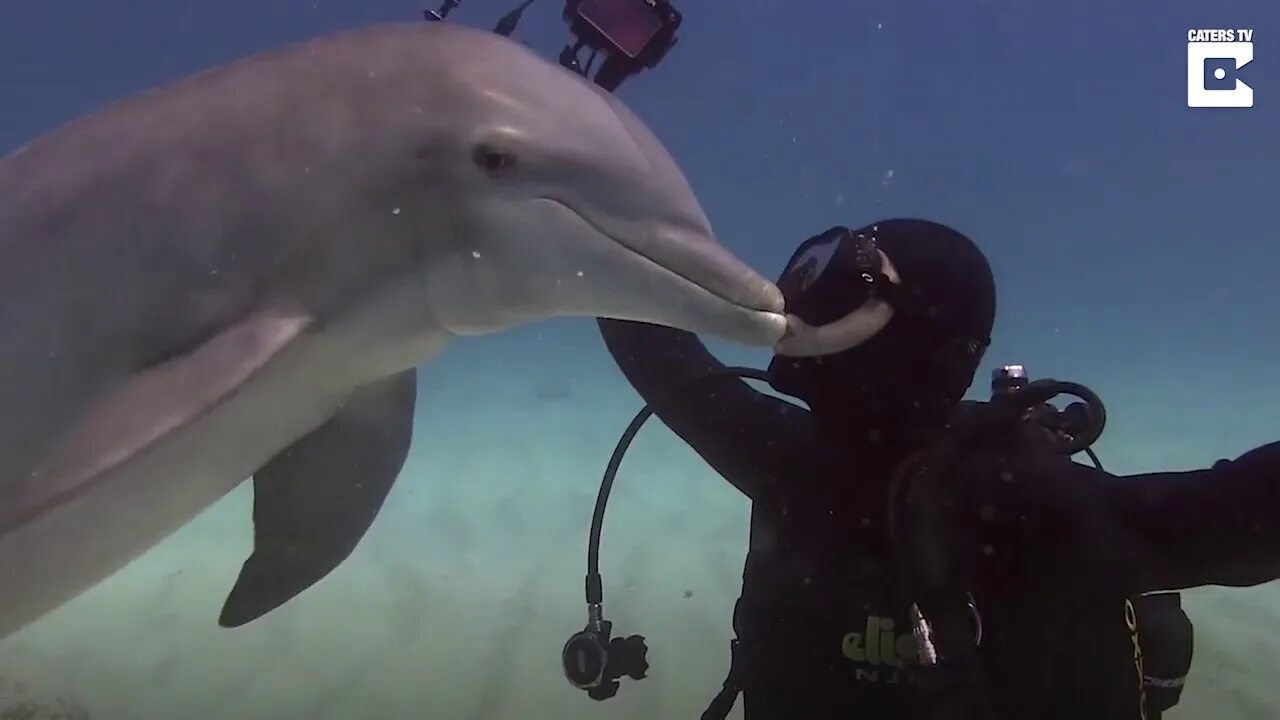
(235, 276)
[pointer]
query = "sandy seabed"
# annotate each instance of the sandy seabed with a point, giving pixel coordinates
(457, 603)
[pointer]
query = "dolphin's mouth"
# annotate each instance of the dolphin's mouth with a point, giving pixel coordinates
(763, 305)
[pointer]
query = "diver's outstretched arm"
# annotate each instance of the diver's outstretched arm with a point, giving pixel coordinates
(745, 435)
(1218, 526)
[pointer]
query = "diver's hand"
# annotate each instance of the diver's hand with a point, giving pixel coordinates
(804, 340)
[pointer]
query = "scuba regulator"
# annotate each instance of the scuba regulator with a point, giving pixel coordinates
(592, 659)
(633, 35)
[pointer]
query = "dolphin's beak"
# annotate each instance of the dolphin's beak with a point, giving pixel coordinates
(680, 276)
(731, 300)
(698, 257)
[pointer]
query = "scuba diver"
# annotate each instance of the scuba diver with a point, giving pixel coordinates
(912, 554)
(1030, 586)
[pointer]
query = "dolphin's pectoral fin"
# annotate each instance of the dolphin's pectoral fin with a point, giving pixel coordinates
(315, 500)
(159, 403)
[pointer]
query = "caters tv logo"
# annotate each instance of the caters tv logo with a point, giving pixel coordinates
(1214, 60)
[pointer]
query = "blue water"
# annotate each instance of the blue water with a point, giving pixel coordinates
(1135, 247)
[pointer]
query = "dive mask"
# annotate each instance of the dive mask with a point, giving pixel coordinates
(838, 293)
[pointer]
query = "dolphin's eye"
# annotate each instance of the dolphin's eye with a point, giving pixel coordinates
(493, 160)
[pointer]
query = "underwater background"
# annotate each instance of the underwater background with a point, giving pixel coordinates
(1135, 246)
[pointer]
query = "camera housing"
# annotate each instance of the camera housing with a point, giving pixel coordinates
(641, 31)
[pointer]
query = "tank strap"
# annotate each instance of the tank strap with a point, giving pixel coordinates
(723, 702)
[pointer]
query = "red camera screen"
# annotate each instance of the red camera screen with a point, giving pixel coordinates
(628, 24)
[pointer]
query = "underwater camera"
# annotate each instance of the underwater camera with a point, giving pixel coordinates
(633, 34)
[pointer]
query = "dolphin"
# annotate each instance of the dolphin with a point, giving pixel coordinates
(236, 275)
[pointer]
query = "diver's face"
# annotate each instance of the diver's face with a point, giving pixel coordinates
(907, 374)
(874, 365)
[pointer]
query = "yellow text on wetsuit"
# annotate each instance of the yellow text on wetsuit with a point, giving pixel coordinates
(1131, 622)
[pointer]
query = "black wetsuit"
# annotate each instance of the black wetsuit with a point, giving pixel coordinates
(822, 634)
